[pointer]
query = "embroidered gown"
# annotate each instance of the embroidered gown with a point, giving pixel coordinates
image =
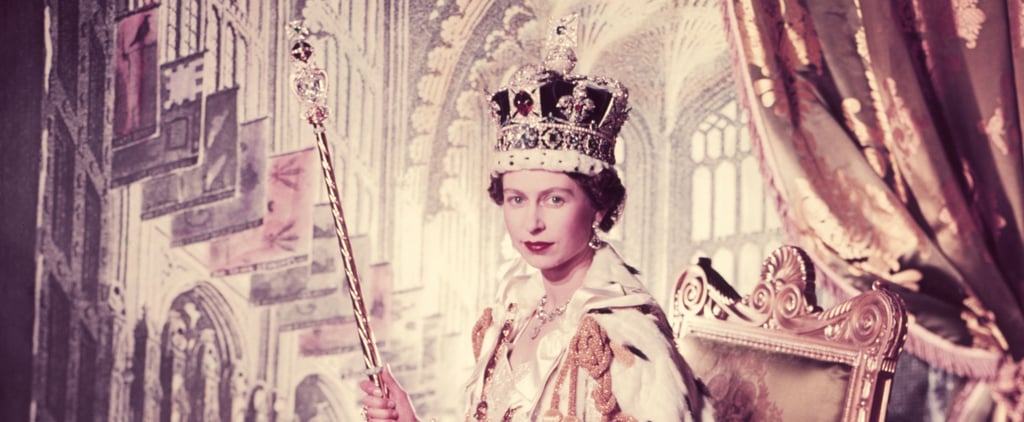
(609, 357)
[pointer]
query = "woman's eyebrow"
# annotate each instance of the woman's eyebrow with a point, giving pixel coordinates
(565, 191)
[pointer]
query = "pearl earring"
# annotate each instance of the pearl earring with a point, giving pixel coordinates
(595, 241)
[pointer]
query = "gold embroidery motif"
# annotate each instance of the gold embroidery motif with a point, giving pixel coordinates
(591, 350)
(881, 129)
(995, 128)
(851, 106)
(764, 88)
(969, 19)
(850, 236)
(801, 35)
(503, 339)
(509, 414)
(921, 27)
(866, 136)
(753, 45)
(479, 330)
(981, 323)
(902, 123)
(552, 415)
(902, 135)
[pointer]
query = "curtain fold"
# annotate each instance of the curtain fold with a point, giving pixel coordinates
(889, 132)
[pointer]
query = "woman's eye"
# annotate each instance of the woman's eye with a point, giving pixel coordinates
(514, 200)
(556, 200)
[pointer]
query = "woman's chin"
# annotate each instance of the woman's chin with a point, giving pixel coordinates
(540, 262)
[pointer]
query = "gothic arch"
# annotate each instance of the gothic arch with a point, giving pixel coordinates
(316, 400)
(259, 405)
(202, 374)
(636, 164)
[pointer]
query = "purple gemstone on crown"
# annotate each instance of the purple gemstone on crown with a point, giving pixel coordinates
(523, 103)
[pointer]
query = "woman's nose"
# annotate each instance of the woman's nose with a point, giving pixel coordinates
(536, 221)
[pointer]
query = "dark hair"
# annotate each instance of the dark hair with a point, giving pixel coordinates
(604, 190)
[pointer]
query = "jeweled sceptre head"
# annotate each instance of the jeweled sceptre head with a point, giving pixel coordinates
(308, 81)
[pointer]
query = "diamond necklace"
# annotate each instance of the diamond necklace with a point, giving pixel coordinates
(546, 316)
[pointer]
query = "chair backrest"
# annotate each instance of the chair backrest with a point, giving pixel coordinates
(774, 354)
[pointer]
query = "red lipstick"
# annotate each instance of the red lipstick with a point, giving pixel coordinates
(537, 247)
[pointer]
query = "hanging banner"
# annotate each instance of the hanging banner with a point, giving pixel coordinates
(177, 145)
(135, 80)
(216, 176)
(324, 274)
(242, 212)
(284, 238)
(340, 335)
(336, 306)
(310, 312)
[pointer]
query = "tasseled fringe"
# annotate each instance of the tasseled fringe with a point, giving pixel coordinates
(958, 360)
(943, 354)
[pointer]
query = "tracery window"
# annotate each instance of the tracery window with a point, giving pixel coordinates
(214, 43)
(182, 38)
(222, 28)
(172, 36)
(227, 59)
(734, 222)
(190, 27)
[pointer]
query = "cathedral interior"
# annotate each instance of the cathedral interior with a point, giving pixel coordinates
(169, 254)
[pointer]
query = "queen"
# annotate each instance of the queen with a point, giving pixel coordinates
(573, 333)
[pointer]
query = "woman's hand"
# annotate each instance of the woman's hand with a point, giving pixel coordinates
(395, 407)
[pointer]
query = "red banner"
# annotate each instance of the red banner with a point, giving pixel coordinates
(177, 145)
(135, 84)
(324, 274)
(285, 237)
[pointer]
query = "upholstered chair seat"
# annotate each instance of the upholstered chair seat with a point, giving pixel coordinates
(775, 355)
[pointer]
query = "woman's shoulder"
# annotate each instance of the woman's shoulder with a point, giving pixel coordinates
(639, 324)
(630, 333)
(648, 377)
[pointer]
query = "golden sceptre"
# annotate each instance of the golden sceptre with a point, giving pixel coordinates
(310, 83)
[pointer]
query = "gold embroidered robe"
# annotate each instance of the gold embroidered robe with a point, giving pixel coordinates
(610, 356)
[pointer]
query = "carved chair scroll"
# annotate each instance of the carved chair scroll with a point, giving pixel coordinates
(776, 355)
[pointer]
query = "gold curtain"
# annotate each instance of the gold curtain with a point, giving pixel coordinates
(890, 133)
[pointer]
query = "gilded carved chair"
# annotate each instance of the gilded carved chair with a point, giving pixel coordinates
(775, 355)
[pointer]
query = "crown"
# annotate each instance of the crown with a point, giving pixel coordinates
(551, 119)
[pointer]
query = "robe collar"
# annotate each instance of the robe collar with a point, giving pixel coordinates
(609, 283)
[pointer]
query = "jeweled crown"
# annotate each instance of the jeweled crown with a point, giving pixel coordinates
(554, 120)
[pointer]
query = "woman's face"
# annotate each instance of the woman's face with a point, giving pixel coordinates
(548, 217)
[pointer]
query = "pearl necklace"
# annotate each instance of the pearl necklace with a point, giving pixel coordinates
(546, 316)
